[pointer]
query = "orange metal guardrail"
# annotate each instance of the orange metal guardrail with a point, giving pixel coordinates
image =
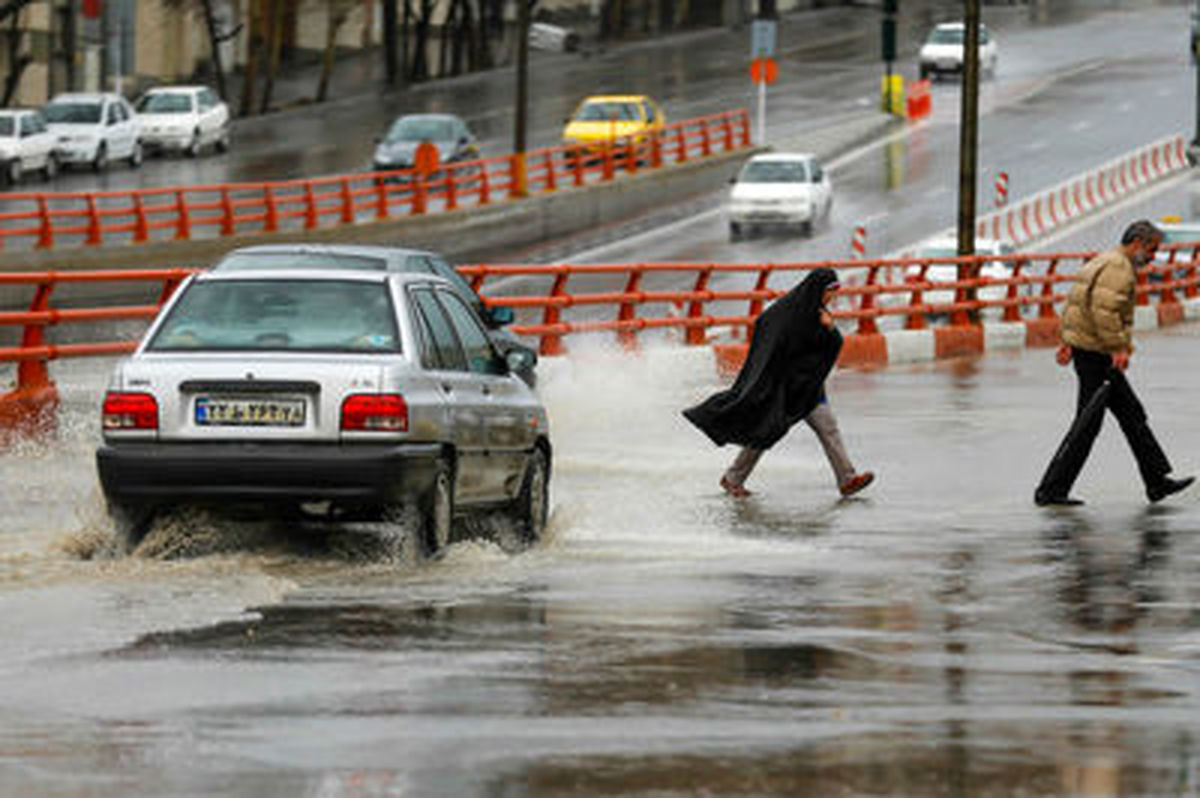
(44, 220)
(638, 298)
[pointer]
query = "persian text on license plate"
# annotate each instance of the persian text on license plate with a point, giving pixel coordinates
(250, 412)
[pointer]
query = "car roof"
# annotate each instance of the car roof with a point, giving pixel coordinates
(356, 275)
(182, 87)
(83, 96)
(983, 246)
(957, 26)
(614, 98)
(361, 250)
(16, 111)
(428, 116)
(783, 156)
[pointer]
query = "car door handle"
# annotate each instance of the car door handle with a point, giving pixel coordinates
(486, 390)
(447, 387)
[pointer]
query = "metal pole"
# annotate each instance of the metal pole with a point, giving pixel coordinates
(522, 109)
(1194, 149)
(118, 34)
(762, 110)
(968, 131)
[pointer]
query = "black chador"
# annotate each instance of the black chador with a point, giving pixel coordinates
(783, 378)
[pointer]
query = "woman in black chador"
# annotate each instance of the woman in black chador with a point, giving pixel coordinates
(792, 351)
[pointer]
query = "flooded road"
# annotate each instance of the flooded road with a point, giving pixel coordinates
(938, 635)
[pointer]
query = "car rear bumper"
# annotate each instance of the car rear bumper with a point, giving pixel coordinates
(359, 473)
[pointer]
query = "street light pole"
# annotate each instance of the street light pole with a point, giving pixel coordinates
(1194, 148)
(520, 187)
(968, 143)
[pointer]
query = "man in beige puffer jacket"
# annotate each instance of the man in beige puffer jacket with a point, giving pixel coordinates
(1097, 332)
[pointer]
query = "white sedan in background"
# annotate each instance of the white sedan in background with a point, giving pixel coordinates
(94, 129)
(183, 119)
(26, 145)
(948, 272)
(944, 49)
(779, 190)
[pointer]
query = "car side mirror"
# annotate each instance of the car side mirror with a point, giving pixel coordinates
(499, 316)
(520, 358)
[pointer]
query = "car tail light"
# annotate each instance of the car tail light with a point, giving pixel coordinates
(375, 413)
(130, 411)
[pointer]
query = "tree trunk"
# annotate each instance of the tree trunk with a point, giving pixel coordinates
(253, 57)
(214, 44)
(278, 10)
(420, 57)
(389, 41)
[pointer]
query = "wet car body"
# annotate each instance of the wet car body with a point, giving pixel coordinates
(94, 129)
(363, 394)
(26, 145)
(183, 119)
(779, 190)
(943, 51)
(398, 148)
(604, 119)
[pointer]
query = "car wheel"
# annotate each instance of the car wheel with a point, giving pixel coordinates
(100, 162)
(924, 72)
(806, 229)
(532, 506)
(137, 156)
(437, 512)
(13, 173)
(735, 232)
(131, 522)
(50, 170)
(193, 147)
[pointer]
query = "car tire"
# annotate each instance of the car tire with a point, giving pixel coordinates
(100, 162)
(13, 172)
(735, 232)
(50, 170)
(437, 512)
(131, 522)
(193, 147)
(925, 72)
(223, 140)
(137, 155)
(532, 508)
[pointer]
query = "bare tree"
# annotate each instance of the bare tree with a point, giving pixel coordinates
(338, 11)
(253, 56)
(419, 69)
(18, 59)
(275, 18)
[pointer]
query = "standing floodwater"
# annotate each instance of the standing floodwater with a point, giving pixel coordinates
(937, 635)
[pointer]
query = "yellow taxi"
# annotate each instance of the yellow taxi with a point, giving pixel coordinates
(616, 117)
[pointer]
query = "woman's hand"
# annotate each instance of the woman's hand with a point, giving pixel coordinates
(826, 318)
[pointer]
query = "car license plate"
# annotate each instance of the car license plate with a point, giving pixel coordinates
(232, 412)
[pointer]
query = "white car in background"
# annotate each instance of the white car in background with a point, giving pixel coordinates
(94, 129)
(948, 272)
(26, 145)
(183, 119)
(943, 51)
(779, 190)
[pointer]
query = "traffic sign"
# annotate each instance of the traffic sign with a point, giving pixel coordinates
(762, 38)
(764, 70)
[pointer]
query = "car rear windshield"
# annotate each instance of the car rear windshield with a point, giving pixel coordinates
(280, 316)
(775, 172)
(411, 129)
(604, 111)
(165, 103)
(73, 113)
(299, 260)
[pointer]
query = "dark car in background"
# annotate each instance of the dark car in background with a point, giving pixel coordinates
(397, 148)
(383, 258)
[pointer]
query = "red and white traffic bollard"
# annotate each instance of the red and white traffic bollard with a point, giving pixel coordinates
(858, 244)
(1001, 189)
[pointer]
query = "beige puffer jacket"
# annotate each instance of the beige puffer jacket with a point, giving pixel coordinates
(1099, 313)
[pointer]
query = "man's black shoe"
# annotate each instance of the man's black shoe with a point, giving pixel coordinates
(1043, 500)
(1163, 489)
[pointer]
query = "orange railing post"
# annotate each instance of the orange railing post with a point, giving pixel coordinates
(1012, 311)
(627, 311)
(310, 206)
(227, 227)
(915, 320)
(866, 304)
(381, 198)
(607, 171)
(485, 193)
(94, 235)
(347, 202)
(745, 124)
(576, 156)
(417, 203)
(141, 229)
(271, 210)
(681, 153)
(727, 130)
(45, 224)
(183, 227)
(551, 178)
(1046, 304)
(705, 139)
(696, 334)
(1190, 289)
(552, 316)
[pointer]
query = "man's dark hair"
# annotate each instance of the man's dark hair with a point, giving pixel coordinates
(1141, 230)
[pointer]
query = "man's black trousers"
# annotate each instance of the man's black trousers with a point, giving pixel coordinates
(1092, 368)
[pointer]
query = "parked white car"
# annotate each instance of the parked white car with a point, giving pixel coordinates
(183, 119)
(95, 129)
(948, 272)
(779, 190)
(26, 145)
(943, 51)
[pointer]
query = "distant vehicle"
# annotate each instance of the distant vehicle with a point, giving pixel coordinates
(779, 190)
(94, 129)
(26, 145)
(948, 272)
(943, 51)
(397, 149)
(346, 395)
(273, 257)
(183, 119)
(1176, 231)
(609, 118)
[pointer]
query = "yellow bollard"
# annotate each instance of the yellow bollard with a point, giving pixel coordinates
(892, 94)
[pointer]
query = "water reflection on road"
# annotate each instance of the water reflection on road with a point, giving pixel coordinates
(938, 636)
